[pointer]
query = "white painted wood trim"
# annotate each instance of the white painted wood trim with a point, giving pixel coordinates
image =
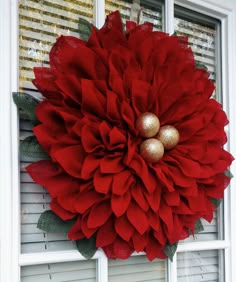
(172, 269)
(169, 16)
(102, 268)
(202, 246)
(9, 192)
(99, 6)
(54, 257)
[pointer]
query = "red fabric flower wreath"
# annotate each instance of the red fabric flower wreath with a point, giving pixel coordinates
(94, 92)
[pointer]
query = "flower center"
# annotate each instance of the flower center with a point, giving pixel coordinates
(158, 139)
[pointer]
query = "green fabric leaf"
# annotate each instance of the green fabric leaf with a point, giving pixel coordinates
(199, 65)
(31, 150)
(27, 104)
(170, 250)
(52, 223)
(87, 247)
(216, 202)
(198, 227)
(85, 29)
(228, 173)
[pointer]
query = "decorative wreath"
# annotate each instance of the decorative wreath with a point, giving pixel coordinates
(129, 139)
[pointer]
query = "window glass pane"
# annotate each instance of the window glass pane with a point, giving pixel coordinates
(82, 271)
(152, 11)
(200, 266)
(137, 269)
(40, 23)
(204, 38)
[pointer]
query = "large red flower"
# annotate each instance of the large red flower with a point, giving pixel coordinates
(94, 92)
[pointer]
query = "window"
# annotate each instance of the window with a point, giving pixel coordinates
(51, 257)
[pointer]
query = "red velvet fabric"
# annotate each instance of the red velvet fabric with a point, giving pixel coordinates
(94, 91)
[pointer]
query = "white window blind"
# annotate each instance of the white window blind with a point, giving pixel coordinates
(83, 271)
(152, 11)
(200, 266)
(137, 269)
(40, 23)
(203, 36)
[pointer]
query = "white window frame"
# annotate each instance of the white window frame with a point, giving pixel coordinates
(10, 257)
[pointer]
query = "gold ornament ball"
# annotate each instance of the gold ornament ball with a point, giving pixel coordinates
(148, 125)
(169, 136)
(152, 150)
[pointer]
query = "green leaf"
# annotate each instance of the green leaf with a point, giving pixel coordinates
(85, 29)
(216, 202)
(31, 150)
(199, 65)
(27, 104)
(52, 223)
(87, 247)
(198, 227)
(170, 250)
(228, 173)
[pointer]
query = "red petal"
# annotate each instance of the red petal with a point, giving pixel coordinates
(154, 199)
(141, 169)
(166, 215)
(154, 220)
(111, 164)
(124, 228)
(75, 232)
(106, 234)
(86, 200)
(90, 164)
(102, 182)
(122, 249)
(61, 212)
(88, 232)
(93, 101)
(122, 182)
(71, 159)
(154, 249)
(119, 204)
(99, 214)
(137, 193)
(139, 241)
(137, 218)
(109, 251)
(45, 82)
(172, 199)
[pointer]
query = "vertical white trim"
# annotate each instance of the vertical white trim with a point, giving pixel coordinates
(169, 28)
(99, 6)
(169, 16)
(231, 193)
(172, 269)
(102, 268)
(9, 192)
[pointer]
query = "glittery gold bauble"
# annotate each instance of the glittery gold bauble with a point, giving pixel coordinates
(169, 136)
(147, 125)
(152, 150)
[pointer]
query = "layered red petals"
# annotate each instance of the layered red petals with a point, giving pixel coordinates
(94, 92)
